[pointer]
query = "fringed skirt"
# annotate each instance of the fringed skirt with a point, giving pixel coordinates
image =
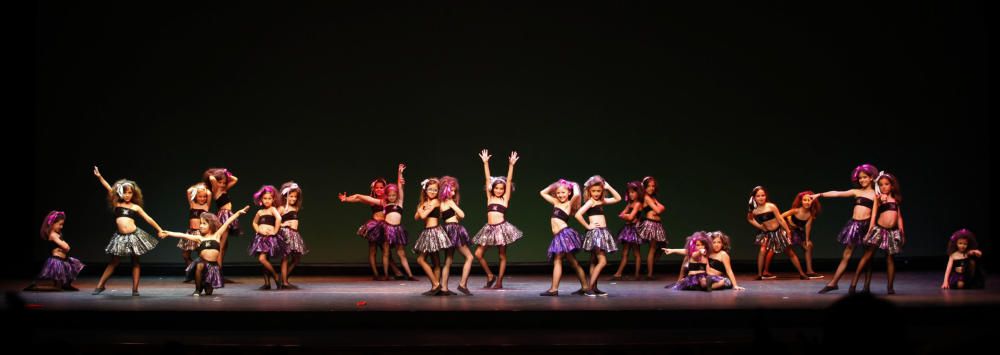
(854, 232)
(566, 241)
(210, 274)
(775, 240)
(651, 231)
(189, 245)
(890, 240)
(599, 239)
(457, 234)
(431, 240)
(497, 234)
(136, 243)
(62, 271)
(293, 241)
(628, 234)
(272, 245)
(373, 231)
(225, 215)
(396, 234)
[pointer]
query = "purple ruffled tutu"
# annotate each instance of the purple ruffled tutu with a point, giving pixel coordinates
(62, 271)
(566, 241)
(458, 235)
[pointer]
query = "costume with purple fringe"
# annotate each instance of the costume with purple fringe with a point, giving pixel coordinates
(566, 241)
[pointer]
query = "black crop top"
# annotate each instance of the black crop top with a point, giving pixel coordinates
(195, 213)
(377, 209)
(764, 217)
(208, 245)
(696, 267)
(716, 264)
(393, 208)
(595, 211)
(435, 213)
(888, 206)
(799, 224)
(222, 200)
(124, 212)
(558, 213)
(290, 216)
(447, 214)
(864, 201)
(494, 207)
(268, 220)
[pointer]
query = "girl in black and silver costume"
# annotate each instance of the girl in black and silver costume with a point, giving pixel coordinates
(774, 234)
(650, 229)
(451, 214)
(198, 197)
(205, 270)
(295, 247)
(498, 231)
(126, 199)
(886, 231)
(598, 241)
(433, 238)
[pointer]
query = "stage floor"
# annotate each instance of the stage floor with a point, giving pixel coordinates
(327, 314)
(520, 293)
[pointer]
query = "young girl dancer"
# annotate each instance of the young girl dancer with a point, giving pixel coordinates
(451, 214)
(886, 231)
(126, 199)
(205, 270)
(433, 238)
(800, 220)
(266, 242)
(628, 236)
(198, 197)
(774, 232)
(294, 247)
(696, 261)
(395, 235)
(374, 230)
(497, 231)
(565, 199)
(220, 181)
(961, 272)
(854, 232)
(59, 268)
(650, 229)
(598, 240)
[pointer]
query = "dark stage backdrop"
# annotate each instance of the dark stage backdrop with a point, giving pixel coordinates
(710, 100)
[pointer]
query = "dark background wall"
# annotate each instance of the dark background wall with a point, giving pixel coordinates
(711, 100)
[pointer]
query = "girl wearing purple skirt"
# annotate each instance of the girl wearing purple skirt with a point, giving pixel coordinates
(395, 235)
(266, 242)
(59, 268)
(451, 214)
(696, 262)
(198, 197)
(962, 271)
(205, 270)
(800, 220)
(373, 230)
(433, 238)
(126, 199)
(295, 247)
(854, 232)
(220, 181)
(628, 236)
(565, 199)
(498, 231)
(598, 240)
(886, 231)
(774, 235)
(650, 228)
